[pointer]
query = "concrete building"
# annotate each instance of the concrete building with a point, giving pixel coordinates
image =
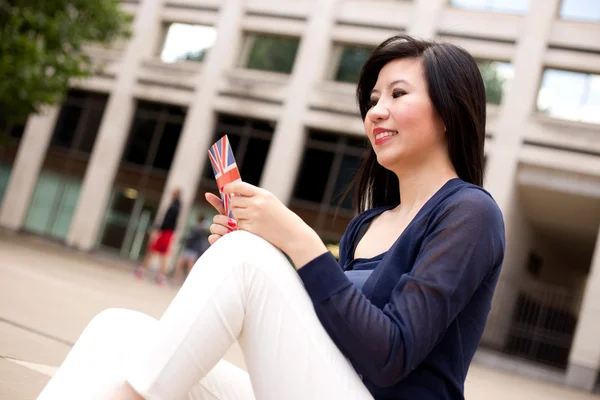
(278, 78)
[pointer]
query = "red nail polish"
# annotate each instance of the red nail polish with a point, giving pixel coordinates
(232, 223)
(221, 188)
(229, 231)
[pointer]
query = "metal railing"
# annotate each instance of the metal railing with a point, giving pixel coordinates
(534, 321)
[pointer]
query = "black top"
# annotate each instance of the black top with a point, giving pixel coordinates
(410, 319)
(169, 222)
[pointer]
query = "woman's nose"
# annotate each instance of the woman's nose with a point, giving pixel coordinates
(379, 111)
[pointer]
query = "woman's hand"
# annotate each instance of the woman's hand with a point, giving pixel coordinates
(258, 211)
(222, 224)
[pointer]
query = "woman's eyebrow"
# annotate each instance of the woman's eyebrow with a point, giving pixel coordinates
(393, 83)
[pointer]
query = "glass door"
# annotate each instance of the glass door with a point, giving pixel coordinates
(127, 222)
(53, 205)
(4, 178)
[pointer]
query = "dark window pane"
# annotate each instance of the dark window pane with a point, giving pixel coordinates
(90, 129)
(66, 126)
(148, 106)
(75, 94)
(254, 160)
(358, 142)
(231, 120)
(16, 131)
(79, 120)
(140, 138)
(272, 53)
(234, 141)
(348, 169)
(323, 136)
(351, 63)
(266, 126)
(167, 146)
(176, 111)
(312, 178)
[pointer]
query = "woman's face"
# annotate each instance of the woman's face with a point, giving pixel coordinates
(401, 123)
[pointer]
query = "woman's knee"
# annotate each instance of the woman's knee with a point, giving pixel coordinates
(118, 320)
(248, 248)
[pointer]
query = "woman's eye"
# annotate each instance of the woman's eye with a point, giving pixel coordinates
(372, 103)
(397, 93)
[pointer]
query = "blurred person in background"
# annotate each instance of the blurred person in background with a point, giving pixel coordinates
(398, 317)
(160, 241)
(195, 244)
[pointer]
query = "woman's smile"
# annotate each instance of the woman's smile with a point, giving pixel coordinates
(383, 135)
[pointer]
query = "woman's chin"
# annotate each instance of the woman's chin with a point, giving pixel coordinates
(388, 161)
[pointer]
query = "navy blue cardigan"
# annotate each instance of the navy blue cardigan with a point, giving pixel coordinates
(412, 329)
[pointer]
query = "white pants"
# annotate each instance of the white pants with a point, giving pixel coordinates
(242, 288)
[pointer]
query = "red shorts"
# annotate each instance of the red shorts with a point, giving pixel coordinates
(162, 243)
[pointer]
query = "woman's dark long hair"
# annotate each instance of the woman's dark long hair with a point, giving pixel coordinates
(457, 93)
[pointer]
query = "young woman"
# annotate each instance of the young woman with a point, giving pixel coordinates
(399, 317)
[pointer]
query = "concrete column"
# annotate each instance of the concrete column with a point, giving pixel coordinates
(502, 163)
(520, 100)
(425, 18)
(113, 132)
(584, 360)
(26, 168)
(286, 149)
(195, 139)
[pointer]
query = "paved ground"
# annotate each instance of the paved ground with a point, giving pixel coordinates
(48, 294)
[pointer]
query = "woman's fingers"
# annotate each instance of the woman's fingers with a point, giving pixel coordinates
(241, 188)
(241, 201)
(215, 201)
(222, 225)
(213, 238)
(225, 221)
(219, 229)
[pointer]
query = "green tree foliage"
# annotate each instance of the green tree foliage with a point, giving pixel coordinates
(41, 48)
(494, 84)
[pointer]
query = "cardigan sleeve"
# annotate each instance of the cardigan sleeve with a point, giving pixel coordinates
(462, 246)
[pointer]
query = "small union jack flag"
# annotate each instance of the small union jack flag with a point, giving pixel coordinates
(224, 167)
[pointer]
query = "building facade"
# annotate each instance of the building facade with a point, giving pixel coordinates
(279, 78)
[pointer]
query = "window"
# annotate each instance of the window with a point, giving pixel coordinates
(141, 178)
(507, 6)
(497, 77)
(10, 131)
(154, 135)
(351, 60)
(59, 182)
(582, 10)
(250, 141)
(329, 164)
(79, 120)
(271, 53)
(570, 95)
(187, 42)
